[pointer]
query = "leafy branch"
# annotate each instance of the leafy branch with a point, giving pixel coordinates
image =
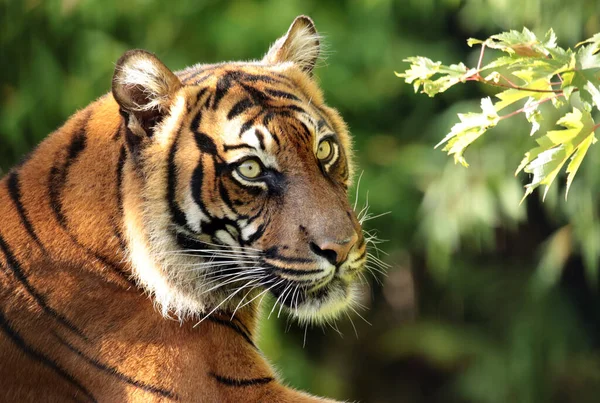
(530, 72)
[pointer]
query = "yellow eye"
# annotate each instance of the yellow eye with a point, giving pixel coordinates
(325, 150)
(249, 169)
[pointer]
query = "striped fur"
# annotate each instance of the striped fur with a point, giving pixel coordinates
(138, 210)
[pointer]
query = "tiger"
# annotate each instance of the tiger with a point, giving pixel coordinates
(139, 239)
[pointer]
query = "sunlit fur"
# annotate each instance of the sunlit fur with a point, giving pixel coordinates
(136, 205)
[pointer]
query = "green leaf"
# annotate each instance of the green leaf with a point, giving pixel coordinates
(473, 41)
(594, 93)
(422, 70)
(567, 91)
(587, 70)
(555, 148)
(527, 70)
(533, 114)
(594, 40)
(576, 159)
(523, 43)
(469, 129)
(512, 95)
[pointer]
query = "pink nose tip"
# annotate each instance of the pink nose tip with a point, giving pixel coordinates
(336, 252)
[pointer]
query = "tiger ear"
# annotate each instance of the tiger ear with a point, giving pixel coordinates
(301, 45)
(144, 88)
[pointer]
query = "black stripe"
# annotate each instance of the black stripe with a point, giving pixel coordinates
(207, 101)
(225, 196)
(272, 253)
(203, 78)
(200, 93)
(15, 268)
(261, 138)
(117, 221)
(56, 183)
(196, 186)
(233, 326)
(241, 382)
(41, 358)
(294, 272)
(224, 83)
(257, 234)
(77, 145)
(242, 325)
(287, 108)
(58, 176)
(205, 143)
(14, 190)
(239, 108)
(207, 71)
(247, 125)
(119, 375)
(177, 215)
(254, 78)
(307, 135)
(195, 124)
(259, 97)
(268, 117)
(322, 123)
(282, 94)
(227, 147)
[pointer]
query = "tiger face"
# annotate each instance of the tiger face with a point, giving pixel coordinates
(240, 183)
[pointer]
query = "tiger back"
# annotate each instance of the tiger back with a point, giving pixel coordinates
(138, 241)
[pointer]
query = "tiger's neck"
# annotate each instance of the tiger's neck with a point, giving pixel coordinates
(66, 196)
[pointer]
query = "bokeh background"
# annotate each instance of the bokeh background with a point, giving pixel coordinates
(486, 299)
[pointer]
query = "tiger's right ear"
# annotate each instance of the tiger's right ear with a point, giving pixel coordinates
(144, 89)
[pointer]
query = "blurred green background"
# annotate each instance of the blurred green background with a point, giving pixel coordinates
(486, 300)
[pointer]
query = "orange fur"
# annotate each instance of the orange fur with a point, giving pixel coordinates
(98, 221)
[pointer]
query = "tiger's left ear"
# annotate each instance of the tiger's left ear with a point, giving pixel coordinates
(301, 45)
(144, 88)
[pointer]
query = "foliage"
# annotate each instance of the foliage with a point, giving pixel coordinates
(534, 71)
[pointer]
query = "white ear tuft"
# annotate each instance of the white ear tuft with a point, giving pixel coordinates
(144, 88)
(301, 45)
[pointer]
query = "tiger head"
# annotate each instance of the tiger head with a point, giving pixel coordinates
(237, 183)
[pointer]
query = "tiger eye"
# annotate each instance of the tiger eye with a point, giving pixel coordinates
(324, 151)
(249, 169)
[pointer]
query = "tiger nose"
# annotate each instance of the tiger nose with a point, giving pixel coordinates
(336, 252)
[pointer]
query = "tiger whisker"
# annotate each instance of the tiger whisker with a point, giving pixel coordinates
(234, 280)
(357, 190)
(335, 327)
(376, 259)
(263, 293)
(376, 269)
(359, 315)
(196, 252)
(369, 217)
(352, 322)
(225, 300)
(220, 246)
(198, 266)
(277, 300)
(281, 305)
(255, 297)
(224, 279)
(305, 331)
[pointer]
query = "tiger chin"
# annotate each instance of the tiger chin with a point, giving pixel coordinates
(195, 194)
